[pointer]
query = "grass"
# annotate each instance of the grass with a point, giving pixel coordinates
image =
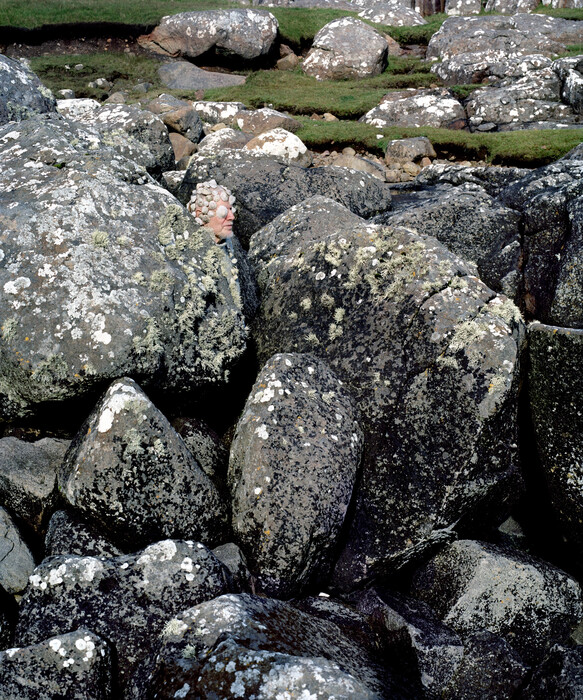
(576, 14)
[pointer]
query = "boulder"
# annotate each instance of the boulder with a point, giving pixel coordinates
(178, 116)
(22, 95)
(455, 8)
(130, 473)
(488, 67)
(16, 561)
(126, 600)
(412, 149)
(559, 676)
(280, 144)
(511, 7)
(257, 121)
(392, 15)
(28, 477)
(265, 188)
(234, 559)
(78, 108)
(68, 534)
(436, 381)
(104, 275)
(217, 112)
(182, 75)
(242, 33)
(346, 48)
(414, 108)
(205, 446)
(183, 148)
(293, 466)
(363, 165)
(570, 71)
(475, 586)
(490, 178)
(76, 666)
(218, 141)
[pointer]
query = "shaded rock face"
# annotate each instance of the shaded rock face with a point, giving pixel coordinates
(76, 665)
(435, 381)
(22, 95)
(291, 488)
(103, 274)
(559, 676)
(417, 108)
(492, 179)
(125, 600)
(130, 473)
(260, 635)
(16, 562)
(68, 534)
(475, 586)
(346, 48)
(265, 188)
(247, 34)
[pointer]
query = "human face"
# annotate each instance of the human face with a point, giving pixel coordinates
(222, 222)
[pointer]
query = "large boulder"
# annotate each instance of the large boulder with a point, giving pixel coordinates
(282, 145)
(431, 356)
(293, 466)
(490, 178)
(22, 95)
(346, 48)
(392, 15)
(414, 108)
(68, 534)
(125, 600)
(488, 67)
(183, 75)
(178, 115)
(570, 71)
(244, 33)
(104, 274)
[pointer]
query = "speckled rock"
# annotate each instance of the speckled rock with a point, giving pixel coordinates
(104, 275)
(264, 188)
(570, 71)
(68, 534)
(346, 48)
(413, 149)
(511, 7)
(456, 8)
(178, 115)
(435, 382)
(280, 144)
(560, 676)
(76, 666)
(131, 474)
(205, 446)
(490, 178)
(135, 133)
(234, 559)
(217, 141)
(475, 586)
(428, 107)
(182, 75)
(472, 225)
(256, 121)
(217, 112)
(488, 66)
(551, 202)
(247, 34)
(28, 476)
(127, 600)
(252, 632)
(78, 108)
(292, 469)
(22, 95)
(16, 561)
(392, 15)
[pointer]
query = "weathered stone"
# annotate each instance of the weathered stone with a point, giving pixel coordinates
(392, 15)
(256, 121)
(182, 75)
(205, 446)
(511, 7)
(247, 34)
(363, 165)
(125, 600)
(131, 474)
(28, 477)
(427, 107)
(79, 108)
(104, 275)
(488, 66)
(346, 48)
(560, 675)
(76, 666)
(182, 147)
(474, 586)
(234, 559)
(68, 534)
(289, 62)
(490, 178)
(178, 115)
(570, 71)
(218, 141)
(16, 561)
(436, 381)
(455, 8)
(413, 149)
(291, 487)
(215, 112)
(283, 146)
(22, 95)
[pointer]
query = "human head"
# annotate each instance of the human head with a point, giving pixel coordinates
(213, 207)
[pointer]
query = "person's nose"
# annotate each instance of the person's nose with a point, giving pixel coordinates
(230, 215)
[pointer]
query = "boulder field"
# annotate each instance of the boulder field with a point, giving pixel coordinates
(333, 457)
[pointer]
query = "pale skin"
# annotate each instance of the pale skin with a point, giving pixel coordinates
(221, 226)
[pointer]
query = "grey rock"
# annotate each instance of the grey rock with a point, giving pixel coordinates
(22, 93)
(68, 534)
(510, 7)
(217, 112)
(234, 559)
(76, 666)
(247, 34)
(392, 15)
(475, 586)
(363, 165)
(78, 108)
(204, 445)
(128, 283)
(218, 141)
(282, 145)
(16, 560)
(8, 615)
(428, 107)
(291, 488)
(488, 67)
(570, 71)
(178, 115)
(264, 188)
(28, 477)
(346, 48)
(130, 473)
(256, 121)
(413, 149)
(560, 676)
(126, 600)
(435, 381)
(181, 75)
(490, 178)
(455, 8)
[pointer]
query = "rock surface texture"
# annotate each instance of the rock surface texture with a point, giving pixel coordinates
(22, 94)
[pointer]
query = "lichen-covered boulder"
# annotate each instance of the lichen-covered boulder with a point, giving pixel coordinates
(28, 477)
(428, 107)
(126, 600)
(103, 274)
(455, 8)
(346, 48)
(258, 636)
(292, 469)
(280, 144)
(474, 586)
(488, 66)
(244, 33)
(22, 95)
(265, 188)
(217, 112)
(16, 561)
(257, 121)
(130, 473)
(217, 141)
(392, 15)
(409, 150)
(68, 534)
(570, 71)
(76, 666)
(511, 7)
(491, 178)
(429, 353)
